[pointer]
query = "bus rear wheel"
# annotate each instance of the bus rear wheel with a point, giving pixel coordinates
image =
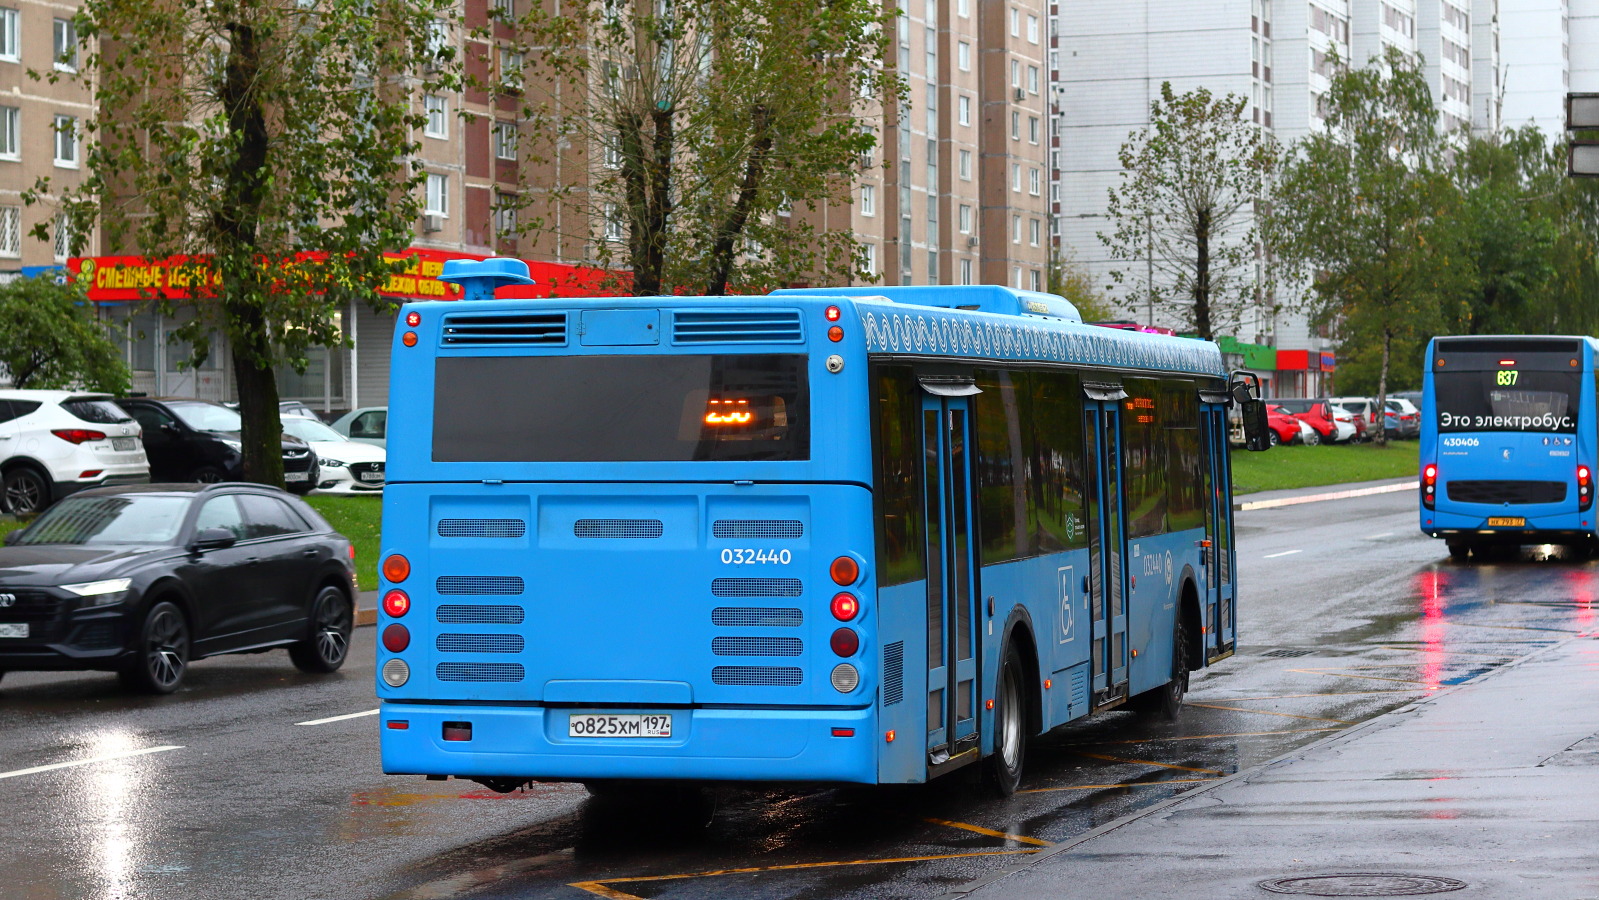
(1010, 727)
(1459, 551)
(1166, 701)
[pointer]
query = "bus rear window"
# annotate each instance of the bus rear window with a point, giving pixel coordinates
(724, 408)
(1507, 400)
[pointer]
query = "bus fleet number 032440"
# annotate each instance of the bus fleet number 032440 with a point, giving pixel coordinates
(744, 556)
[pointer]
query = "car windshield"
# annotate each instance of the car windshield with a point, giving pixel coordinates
(126, 519)
(207, 416)
(309, 430)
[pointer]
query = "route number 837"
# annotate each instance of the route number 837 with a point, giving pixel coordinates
(748, 557)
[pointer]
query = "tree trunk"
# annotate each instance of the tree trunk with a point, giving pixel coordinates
(724, 250)
(1202, 276)
(257, 384)
(1382, 390)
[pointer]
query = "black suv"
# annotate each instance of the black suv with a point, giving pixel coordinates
(197, 440)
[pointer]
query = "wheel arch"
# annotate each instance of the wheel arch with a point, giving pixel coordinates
(1188, 608)
(169, 588)
(1020, 633)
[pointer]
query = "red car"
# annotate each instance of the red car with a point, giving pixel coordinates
(1284, 427)
(1316, 413)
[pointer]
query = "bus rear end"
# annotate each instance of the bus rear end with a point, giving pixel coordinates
(628, 538)
(1508, 442)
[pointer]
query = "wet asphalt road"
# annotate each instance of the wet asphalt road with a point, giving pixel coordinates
(1346, 611)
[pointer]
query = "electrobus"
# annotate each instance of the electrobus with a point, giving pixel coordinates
(864, 535)
(1508, 442)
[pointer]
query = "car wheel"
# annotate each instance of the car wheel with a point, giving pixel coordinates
(331, 620)
(27, 491)
(1274, 439)
(161, 652)
(1010, 727)
(208, 475)
(1313, 438)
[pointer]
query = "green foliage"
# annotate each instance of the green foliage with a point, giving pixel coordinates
(1184, 212)
(720, 131)
(50, 339)
(268, 144)
(1068, 278)
(361, 520)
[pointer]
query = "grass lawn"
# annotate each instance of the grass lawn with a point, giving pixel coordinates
(357, 518)
(1298, 467)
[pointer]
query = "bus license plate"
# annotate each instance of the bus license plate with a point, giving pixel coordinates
(1513, 521)
(19, 630)
(624, 726)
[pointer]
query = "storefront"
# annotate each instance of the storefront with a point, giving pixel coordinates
(335, 379)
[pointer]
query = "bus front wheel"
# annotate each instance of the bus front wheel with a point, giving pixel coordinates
(1010, 727)
(1459, 551)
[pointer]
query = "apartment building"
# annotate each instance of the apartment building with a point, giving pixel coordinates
(1110, 57)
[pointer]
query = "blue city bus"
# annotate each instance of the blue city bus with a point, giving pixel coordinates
(1508, 442)
(862, 535)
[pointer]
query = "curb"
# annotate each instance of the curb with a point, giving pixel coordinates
(1335, 495)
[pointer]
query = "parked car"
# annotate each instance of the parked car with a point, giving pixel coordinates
(348, 467)
(1285, 429)
(1365, 408)
(1401, 418)
(286, 408)
(197, 440)
(55, 443)
(1354, 422)
(369, 424)
(1317, 413)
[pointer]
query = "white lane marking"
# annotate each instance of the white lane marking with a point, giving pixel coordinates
(370, 712)
(1384, 534)
(90, 761)
(1335, 495)
(1284, 553)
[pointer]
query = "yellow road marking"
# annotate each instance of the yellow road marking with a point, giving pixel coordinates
(1263, 712)
(601, 887)
(1149, 762)
(1106, 787)
(1021, 838)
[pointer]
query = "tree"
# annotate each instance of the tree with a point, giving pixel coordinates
(267, 144)
(1366, 211)
(716, 131)
(49, 339)
(1185, 210)
(1069, 279)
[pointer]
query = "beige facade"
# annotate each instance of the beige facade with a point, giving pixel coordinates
(40, 128)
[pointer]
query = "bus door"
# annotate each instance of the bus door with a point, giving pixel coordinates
(951, 571)
(1220, 615)
(1107, 542)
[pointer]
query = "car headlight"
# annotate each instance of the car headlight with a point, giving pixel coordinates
(333, 463)
(101, 593)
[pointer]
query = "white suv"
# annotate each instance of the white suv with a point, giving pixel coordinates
(54, 443)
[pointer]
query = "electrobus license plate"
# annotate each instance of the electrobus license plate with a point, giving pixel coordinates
(627, 726)
(1506, 520)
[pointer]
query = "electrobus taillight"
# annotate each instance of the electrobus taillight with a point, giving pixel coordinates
(396, 568)
(845, 642)
(396, 638)
(845, 570)
(832, 313)
(1584, 488)
(396, 603)
(1429, 485)
(845, 607)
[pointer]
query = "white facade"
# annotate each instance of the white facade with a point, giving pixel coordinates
(1547, 47)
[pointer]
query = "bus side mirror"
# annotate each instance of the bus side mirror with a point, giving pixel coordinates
(1252, 409)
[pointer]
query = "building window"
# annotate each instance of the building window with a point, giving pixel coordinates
(11, 231)
(1032, 129)
(1016, 177)
(869, 259)
(438, 110)
(505, 8)
(1016, 233)
(1016, 277)
(963, 8)
(1037, 279)
(438, 195)
(510, 70)
(964, 105)
(1015, 22)
(965, 219)
(613, 222)
(10, 133)
(10, 35)
(66, 128)
(1032, 29)
(63, 236)
(1035, 232)
(1032, 79)
(66, 45)
(1034, 182)
(438, 38)
(505, 217)
(1015, 73)
(1054, 192)
(966, 271)
(1015, 126)
(966, 165)
(613, 153)
(505, 140)
(963, 56)
(868, 200)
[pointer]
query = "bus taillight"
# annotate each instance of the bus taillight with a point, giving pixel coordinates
(1429, 486)
(845, 570)
(845, 606)
(845, 642)
(396, 603)
(396, 568)
(1584, 488)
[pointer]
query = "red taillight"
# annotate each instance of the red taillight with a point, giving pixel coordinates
(1429, 485)
(396, 637)
(399, 724)
(1584, 487)
(90, 473)
(78, 435)
(408, 339)
(845, 642)
(832, 313)
(458, 731)
(352, 553)
(396, 568)
(845, 570)
(835, 334)
(845, 607)
(396, 603)
(843, 732)
(413, 319)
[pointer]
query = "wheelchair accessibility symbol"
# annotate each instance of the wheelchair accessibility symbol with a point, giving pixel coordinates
(1068, 619)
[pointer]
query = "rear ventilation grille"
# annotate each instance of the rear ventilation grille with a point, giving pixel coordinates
(776, 326)
(510, 330)
(456, 614)
(757, 646)
(758, 529)
(757, 676)
(479, 584)
(617, 528)
(479, 643)
(464, 671)
(756, 587)
(756, 617)
(1500, 492)
(482, 528)
(893, 673)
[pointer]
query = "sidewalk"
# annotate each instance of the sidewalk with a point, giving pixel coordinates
(1294, 496)
(1494, 783)
(366, 608)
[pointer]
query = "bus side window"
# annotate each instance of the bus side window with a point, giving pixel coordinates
(1004, 445)
(1056, 473)
(1144, 480)
(896, 423)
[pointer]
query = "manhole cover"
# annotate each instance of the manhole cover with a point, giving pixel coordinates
(1281, 653)
(1363, 885)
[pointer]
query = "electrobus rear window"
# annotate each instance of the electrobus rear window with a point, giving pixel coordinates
(621, 408)
(1507, 400)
